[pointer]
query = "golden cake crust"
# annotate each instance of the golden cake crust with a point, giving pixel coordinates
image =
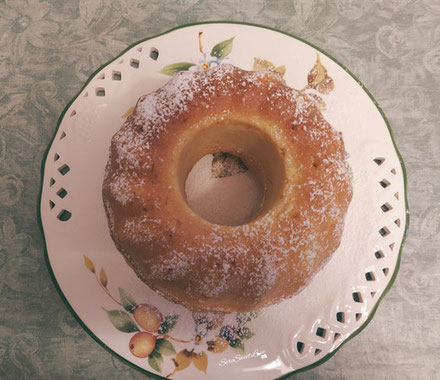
(210, 267)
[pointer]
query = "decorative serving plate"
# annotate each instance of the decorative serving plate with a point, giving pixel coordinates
(102, 291)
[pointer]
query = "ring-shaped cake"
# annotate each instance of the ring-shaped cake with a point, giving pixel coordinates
(281, 135)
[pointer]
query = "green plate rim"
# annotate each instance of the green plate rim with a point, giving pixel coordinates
(60, 119)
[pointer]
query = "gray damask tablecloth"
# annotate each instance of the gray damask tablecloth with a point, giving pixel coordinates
(47, 51)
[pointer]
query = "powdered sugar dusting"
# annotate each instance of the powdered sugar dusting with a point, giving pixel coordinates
(259, 262)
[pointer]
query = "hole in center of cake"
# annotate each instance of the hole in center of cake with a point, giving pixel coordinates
(223, 190)
(230, 172)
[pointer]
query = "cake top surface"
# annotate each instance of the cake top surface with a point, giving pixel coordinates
(278, 237)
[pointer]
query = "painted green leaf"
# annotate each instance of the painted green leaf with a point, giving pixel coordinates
(164, 347)
(236, 343)
(176, 67)
(122, 321)
(168, 324)
(240, 348)
(155, 361)
(243, 318)
(245, 333)
(222, 49)
(127, 300)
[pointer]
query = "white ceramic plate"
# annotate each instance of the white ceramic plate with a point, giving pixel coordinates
(102, 290)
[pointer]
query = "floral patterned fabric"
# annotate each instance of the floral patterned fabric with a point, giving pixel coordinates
(47, 51)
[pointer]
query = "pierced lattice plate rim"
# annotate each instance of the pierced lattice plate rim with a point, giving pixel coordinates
(291, 336)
